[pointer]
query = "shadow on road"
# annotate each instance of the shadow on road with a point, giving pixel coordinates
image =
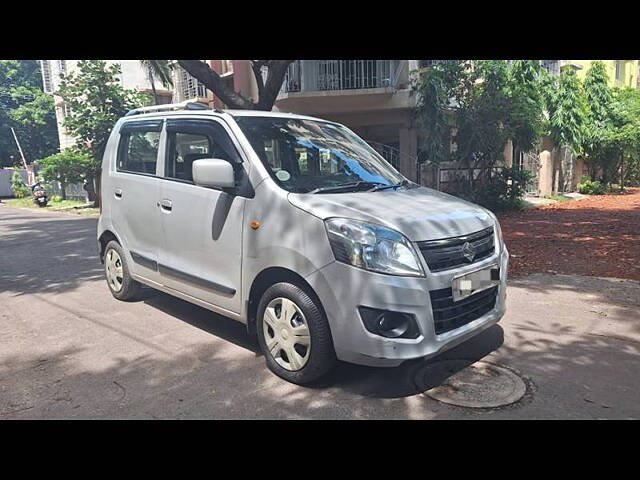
(366, 381)
(46, 253)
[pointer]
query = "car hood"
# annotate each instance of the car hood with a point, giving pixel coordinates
(419, 213)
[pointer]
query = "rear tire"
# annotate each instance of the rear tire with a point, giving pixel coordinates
(294, 334)
(117, 274)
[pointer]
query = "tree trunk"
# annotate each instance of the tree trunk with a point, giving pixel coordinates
(153, 89)
(155, 94)
(622, 173)
(63, 186)
(268, 90)
(97, 182)
(90, 189)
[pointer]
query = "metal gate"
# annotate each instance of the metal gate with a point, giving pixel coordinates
(530, 161)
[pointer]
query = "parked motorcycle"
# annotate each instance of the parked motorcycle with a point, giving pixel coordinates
(40, 197)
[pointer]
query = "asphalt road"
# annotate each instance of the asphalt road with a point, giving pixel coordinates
(68, 349)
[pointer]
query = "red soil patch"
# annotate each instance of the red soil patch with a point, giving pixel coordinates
(598, 236)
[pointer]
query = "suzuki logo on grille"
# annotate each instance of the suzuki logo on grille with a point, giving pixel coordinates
(468, 251)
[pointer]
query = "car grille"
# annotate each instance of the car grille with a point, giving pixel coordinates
(449, 315)
(448, 253)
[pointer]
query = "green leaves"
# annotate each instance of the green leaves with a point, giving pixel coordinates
(66, 167)
(488, 102)
(568, 112)
(95, 101)
(26, 108)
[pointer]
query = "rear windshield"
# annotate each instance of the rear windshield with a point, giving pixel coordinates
(305, 155)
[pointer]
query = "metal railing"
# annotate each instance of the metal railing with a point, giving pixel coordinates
(326, 75)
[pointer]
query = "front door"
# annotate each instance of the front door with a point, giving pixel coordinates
(201, 252)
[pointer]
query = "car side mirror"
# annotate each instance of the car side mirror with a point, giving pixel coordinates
(213, 172)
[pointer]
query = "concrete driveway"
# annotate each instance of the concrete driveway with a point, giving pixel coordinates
(68, 349)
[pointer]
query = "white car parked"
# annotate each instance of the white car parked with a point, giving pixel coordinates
(296, 227)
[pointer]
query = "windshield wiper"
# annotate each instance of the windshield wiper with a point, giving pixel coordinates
(381, 186)
(344, 186)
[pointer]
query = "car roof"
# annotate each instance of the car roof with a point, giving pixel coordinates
(223, 113)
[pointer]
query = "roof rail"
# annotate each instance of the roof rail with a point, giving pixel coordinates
(167, 107)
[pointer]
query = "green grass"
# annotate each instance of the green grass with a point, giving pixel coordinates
(558, 198)
(53, 206)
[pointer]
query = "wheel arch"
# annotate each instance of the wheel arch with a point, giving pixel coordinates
(266, 278)
(104, 239)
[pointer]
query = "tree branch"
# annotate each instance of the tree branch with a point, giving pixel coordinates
(256, 66)
(216, 84)
(275, 77)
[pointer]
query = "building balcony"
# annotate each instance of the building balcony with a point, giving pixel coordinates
(343, 85)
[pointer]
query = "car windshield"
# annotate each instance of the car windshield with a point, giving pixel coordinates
(306, 156)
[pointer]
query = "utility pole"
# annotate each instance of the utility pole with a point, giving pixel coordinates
(24, 160)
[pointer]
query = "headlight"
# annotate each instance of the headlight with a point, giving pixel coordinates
(498, 229)
(372, 247)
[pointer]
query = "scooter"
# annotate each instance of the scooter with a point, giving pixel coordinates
(40, 197)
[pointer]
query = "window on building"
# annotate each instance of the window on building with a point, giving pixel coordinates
(227, 66)
(62, 67)
(618, 68)
(186, 86)
(47, 83)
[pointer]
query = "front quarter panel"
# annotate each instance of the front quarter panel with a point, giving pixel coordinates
(287, 237)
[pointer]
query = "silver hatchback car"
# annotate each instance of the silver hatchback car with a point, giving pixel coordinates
(297, 228)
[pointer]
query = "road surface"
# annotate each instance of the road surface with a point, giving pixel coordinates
(68, 349)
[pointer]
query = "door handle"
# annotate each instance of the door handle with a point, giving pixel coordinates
(118, 192)
(166, 205)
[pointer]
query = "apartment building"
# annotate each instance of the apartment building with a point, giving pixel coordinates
(134, 76)
(372, 97)
(622, 73)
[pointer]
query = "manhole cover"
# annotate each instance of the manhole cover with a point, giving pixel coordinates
(475, 385)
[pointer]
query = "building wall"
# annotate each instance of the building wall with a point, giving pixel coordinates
(628, 71)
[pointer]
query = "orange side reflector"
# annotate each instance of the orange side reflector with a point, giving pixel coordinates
(255, 225)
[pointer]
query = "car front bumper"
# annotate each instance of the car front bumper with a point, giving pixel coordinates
(343, 288)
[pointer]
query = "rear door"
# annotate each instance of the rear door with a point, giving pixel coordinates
(136, 188)
(201, 253)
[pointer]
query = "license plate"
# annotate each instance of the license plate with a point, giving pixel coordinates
(474, 282)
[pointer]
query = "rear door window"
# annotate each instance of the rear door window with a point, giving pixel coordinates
(138, 149)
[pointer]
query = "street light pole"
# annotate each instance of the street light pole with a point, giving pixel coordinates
(24, 160)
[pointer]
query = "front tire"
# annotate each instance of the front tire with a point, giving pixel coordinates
(294, 334)
(117, 274)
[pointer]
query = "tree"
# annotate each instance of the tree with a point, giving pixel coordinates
(158, 70)
(625, 112)
(566, 105)
(525, 91)
(267, 89)
(26, 108)
(95, 100)
(66, 167)
(18, 186)
(477, 107)
(599, 143)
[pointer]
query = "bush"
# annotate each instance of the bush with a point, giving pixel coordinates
(56, 199)
(590, 187)
(66, 167)
(505, 191)
(20, 189)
